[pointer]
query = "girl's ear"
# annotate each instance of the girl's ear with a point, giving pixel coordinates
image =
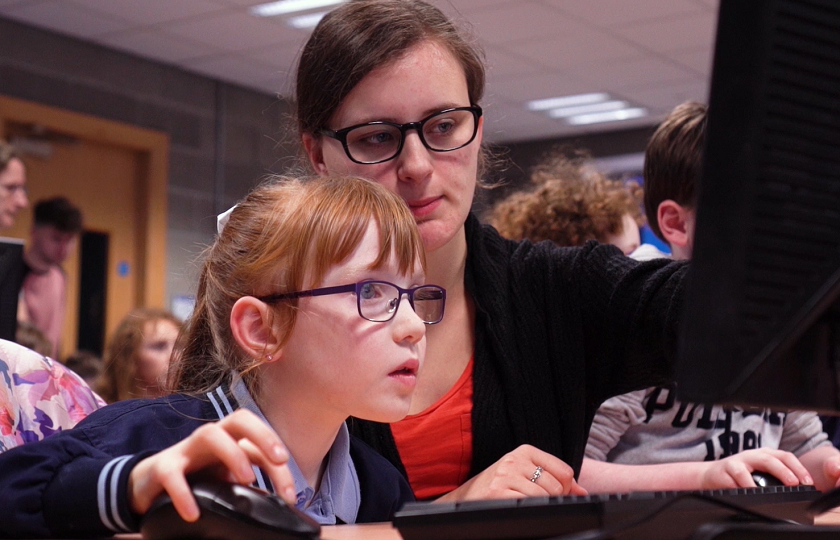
(315, 151)
(251, 327)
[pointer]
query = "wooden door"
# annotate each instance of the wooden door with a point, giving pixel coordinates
(115, 181)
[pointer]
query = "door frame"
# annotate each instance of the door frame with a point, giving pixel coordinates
(153, 150)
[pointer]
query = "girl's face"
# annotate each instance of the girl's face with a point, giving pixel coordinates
(351, 366)
(438, 186)
(153, 358)
(628, 239)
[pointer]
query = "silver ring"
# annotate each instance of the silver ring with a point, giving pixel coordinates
(537, 473)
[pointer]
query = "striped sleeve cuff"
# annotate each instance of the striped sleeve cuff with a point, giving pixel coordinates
(89, 497)
(110, 498)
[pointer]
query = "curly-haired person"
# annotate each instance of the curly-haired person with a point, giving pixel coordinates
(571, 203)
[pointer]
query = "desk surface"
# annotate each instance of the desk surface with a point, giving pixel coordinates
(385, 531)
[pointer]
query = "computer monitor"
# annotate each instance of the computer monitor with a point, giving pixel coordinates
(11, 277)
(762, 317)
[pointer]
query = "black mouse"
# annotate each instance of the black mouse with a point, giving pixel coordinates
(228, 512)
(763, 479)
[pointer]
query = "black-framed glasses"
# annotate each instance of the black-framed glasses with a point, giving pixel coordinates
(376, 142)
(378, 301)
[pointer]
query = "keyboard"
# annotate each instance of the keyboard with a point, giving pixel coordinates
(545, 517)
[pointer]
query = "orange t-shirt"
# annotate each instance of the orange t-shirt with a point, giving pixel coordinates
(435, 469)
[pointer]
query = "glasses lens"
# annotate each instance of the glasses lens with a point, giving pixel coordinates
(373, 142)
(449, 130)
(378, 301)
(428, 304)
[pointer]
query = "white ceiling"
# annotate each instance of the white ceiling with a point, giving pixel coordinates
(652, 53)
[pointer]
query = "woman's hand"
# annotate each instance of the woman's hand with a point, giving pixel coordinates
(226, 448)
(736, 470)
(511, 477)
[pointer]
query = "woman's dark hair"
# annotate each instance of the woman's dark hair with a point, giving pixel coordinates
(363, 35)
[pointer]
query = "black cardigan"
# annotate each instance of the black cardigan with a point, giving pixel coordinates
(558, 331)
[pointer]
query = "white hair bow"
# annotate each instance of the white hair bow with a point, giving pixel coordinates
(222, 219)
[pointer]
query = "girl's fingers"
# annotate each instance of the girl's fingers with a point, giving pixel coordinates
(211, 444)
(280, 475)
(182, 498)
(243, 424)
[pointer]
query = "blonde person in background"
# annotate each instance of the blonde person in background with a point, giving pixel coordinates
(137, 356)
(12, 185)
(38, 396)
(570, 203)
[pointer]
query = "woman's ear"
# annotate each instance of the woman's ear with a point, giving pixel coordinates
(315, 151)
(251, 327)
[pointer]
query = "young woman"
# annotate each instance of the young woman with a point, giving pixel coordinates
(535, 337)
(311, 307)
(137, 356)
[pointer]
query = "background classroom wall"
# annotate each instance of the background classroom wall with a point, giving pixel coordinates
(223, 138)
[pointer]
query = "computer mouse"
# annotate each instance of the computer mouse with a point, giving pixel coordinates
(228, 512)
(763, 479)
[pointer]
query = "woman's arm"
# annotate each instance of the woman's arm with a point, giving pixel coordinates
(515, 475)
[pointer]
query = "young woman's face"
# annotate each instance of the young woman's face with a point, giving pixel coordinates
(438, 186)
(153, 358)
(352, 366)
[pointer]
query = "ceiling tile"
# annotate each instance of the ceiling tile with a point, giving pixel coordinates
(522, 21)
(501, 63)
(683, 32)
(572, 50)
(544, 85)
(609, 13)
(64, 17)
(639, 73)
(697, 60)
(655, 53)
(235, 31)
(663, 98)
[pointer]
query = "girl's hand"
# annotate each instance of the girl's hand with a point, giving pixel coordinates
(736, 471)
(511, 477)
(226, 448)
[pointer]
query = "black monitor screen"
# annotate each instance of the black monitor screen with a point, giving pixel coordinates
(11, 277)
(762, 319)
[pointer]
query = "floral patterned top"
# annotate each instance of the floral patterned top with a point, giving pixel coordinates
(38, 396)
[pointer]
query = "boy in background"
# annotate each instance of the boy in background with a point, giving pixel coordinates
(647, 440)
(56, 225)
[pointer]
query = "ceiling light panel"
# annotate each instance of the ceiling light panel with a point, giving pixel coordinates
(567, 101)
(565, 112)
(609, 116)
(284, 7)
